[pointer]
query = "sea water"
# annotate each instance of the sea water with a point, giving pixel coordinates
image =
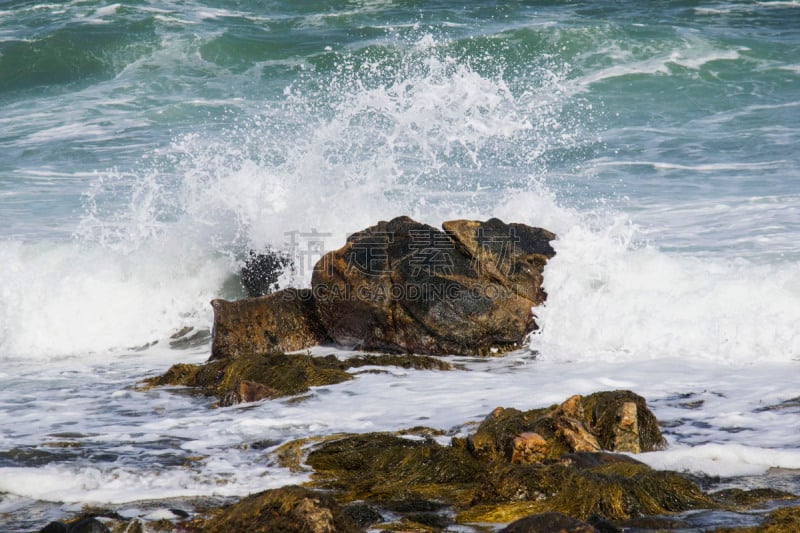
(147, 146)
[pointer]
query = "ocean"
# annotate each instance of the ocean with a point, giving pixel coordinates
(147, 145)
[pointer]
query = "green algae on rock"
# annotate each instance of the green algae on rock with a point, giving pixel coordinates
(383, 467)
(517, 464)
(745, 499)
(617, 487)
(609, 420)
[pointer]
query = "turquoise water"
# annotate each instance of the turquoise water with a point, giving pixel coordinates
(146, 146)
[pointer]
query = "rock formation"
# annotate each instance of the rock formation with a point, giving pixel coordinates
(403, 286)
(515, 464)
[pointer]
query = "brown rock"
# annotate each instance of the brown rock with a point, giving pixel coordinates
(248, 391)
(622, 422)
(512, 254)
(406, 286)
(626, 431)
(549, 523)
(286, 510)
(572, 407)
(284, 321)
(575, 434)
(568, 425)
(609, 420)
(528, 448)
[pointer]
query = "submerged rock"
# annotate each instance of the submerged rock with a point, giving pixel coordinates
(406, 286)
(740, 498)
(286, 510)
(783, 520)
(88, 525)
(54, 527)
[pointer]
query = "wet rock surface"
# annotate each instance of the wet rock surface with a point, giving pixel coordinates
(409, 287)
(398, 286)
(549, 523)
(289, 509)
(283, 321)
(515, 464)
(527, 471)
(254, 377)
(262, 270)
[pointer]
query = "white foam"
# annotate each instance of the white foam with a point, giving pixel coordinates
(707, 167)
(60, 299)
(609, 299)
(107, 11)
(693, 53)
(724, 460)
(119, 485)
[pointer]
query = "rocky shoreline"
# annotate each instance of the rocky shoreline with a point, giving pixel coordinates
(413, 292)
(568, 467)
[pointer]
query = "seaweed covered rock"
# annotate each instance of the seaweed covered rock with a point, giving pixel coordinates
(611, 420)
(383, 467)
(783, 520)
(286, 510)
(744, 499)
(387, 469)
(613, 486)
(622, 422)
(409, 287)
(517, 464)
(283, 321)
(252, 377)
(255, 376)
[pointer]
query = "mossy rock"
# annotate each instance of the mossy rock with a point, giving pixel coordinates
(492, 441)
(286, 374)
(610, 420)
(602, 412)
(783, 520)
(383, 467)
(616, 489)
(286, 510)
(254, 377)
(744, 499)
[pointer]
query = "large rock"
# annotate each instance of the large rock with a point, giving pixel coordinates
(514, 465)
(610, 420)
(409, 287)
(284, 321)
